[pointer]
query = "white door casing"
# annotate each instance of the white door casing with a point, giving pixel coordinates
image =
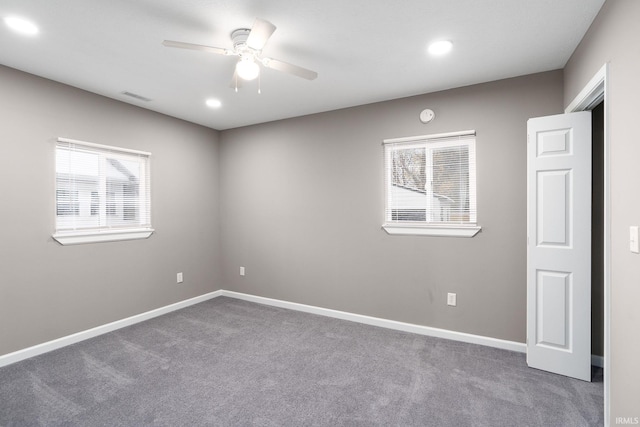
(559, 244)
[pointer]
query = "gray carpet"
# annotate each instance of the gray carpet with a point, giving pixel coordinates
(227, 362)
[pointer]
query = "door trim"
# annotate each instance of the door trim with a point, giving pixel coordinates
(591, 95)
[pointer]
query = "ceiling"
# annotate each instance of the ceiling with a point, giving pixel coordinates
(363, 50)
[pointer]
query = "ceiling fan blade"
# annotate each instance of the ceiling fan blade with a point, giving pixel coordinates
(211, 49)
(289, 68)
(260, 33)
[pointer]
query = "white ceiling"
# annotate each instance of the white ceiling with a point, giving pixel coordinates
(363, 50)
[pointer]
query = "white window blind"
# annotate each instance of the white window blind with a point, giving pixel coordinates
(431, 180)
(101, 189)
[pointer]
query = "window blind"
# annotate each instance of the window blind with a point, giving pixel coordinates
(431, 180)
(99, 187)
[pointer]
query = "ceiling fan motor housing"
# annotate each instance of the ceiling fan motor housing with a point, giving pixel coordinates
(239, 38)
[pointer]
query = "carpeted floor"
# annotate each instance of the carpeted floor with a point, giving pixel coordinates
(227, 362)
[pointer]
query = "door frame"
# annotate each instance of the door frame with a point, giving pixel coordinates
(591, 95)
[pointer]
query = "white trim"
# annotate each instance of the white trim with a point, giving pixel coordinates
(433, 136)
(384, 323)
(48, 346)
(104, 147)
(595, 90)
(79, 237)
(443, 231)
(591, 94)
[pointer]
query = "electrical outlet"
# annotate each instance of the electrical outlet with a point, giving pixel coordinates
(242, 271)
(179, 278)
(451, 299)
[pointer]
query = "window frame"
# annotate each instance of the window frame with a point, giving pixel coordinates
(104, 232)
(427, 227)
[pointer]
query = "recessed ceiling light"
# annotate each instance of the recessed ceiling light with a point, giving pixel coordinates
(213, 103)
(440, 47)
(21, 26)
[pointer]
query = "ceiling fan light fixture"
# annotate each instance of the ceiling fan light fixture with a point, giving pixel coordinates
(247, 69)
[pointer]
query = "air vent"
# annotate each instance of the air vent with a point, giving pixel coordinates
(136, 96)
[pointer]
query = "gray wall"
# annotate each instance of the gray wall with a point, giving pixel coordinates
(614, 38)
(47, 290)
(302, 202)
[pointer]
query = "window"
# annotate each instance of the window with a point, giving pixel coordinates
(102, 193)
(430, 185)
(67, 203)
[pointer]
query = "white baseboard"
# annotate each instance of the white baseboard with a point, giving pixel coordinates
(36, 350)
(392, 324)
(384, 323)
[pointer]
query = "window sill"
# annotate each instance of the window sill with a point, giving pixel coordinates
(433, 230)
(77, 238)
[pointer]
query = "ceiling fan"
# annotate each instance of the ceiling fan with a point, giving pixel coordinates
(248, 45)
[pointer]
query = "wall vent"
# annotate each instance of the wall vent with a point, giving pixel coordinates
(136, 96)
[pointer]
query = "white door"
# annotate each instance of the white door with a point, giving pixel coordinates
(559, 244)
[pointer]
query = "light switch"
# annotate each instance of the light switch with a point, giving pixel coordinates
(634, 246)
